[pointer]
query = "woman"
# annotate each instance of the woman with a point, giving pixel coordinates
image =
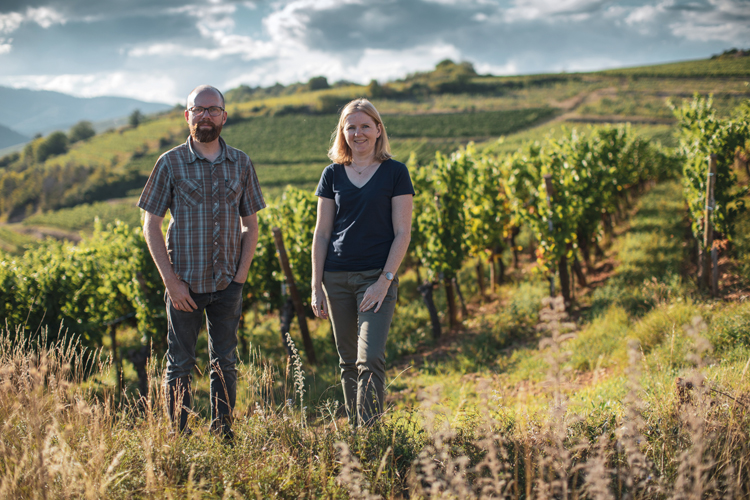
(361, 236)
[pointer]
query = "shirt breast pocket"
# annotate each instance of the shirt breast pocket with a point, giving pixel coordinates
(190, 191)
(233, 191)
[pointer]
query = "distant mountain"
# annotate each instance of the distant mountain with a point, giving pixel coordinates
(41, 111)
(9, 137)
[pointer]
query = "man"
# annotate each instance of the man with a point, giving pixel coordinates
(213, 195)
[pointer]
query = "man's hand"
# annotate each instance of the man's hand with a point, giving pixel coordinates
(178, 290)
(179, 294)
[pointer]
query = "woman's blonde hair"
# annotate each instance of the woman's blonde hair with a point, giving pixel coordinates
(340, 151)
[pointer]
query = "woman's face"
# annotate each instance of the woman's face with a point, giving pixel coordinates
(361, 133)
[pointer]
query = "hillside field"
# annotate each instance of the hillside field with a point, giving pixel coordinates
(630, 380)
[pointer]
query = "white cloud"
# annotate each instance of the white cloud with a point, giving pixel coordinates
(588, 64)
(290, 22)
(6, 45)
(510, 68)
(10, 22)
(144, 86)
(377, 64)
(647, 13)
(727, 22)
(528, 10)
(732, 33)
(44, 16)
(227, 45)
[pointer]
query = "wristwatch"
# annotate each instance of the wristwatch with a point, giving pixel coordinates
(388, 275)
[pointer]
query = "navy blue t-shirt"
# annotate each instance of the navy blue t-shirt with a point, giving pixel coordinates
(362, 227)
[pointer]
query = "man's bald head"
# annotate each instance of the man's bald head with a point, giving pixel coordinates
(199, 90)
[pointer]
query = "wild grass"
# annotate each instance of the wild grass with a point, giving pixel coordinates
(66, 435)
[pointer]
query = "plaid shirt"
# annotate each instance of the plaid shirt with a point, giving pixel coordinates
(207, 200)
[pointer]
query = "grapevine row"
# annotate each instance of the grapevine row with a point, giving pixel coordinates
(469, 205)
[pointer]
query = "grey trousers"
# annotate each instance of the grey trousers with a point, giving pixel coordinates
(360, 341)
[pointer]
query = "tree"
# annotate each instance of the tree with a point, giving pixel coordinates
(81, 131)
(318, 83)
(374, 89)
(55, 144)
(135, 118)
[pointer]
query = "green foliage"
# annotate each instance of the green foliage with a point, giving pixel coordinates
(589, 175)
(54, 144)
(440, 219)
(553, 223)
(702, 134)
(317, 83)
(79, 290)
(135, 118)
(81, 131)
(488, 216)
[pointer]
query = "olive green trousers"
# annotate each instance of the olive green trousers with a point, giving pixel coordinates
(360, 341)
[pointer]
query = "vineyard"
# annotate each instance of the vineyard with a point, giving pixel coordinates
(555, 334)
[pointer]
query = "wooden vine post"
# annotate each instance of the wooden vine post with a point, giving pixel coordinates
(710, 277)
(426, 290)
(548, 186)
(294, 293)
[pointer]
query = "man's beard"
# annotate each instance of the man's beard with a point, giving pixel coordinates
(205, 135)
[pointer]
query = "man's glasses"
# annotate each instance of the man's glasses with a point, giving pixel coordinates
(199, 110)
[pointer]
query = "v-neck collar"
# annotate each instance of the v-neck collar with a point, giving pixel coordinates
(346, 174)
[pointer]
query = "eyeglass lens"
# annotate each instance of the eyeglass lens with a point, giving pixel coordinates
(199, 110)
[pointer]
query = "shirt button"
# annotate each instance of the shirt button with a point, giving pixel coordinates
(215, 243)
(216, 183)
(216, 223)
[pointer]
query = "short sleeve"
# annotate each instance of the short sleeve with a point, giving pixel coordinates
(325, 186)
(252, 199)
(402, 181)
(156, 197)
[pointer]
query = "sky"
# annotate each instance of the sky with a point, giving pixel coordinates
(158, 50)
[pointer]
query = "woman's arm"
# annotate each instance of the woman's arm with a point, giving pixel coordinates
(401, 210)
(321, 237)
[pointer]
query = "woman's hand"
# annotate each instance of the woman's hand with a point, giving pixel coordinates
(318, 302)
(374, 295)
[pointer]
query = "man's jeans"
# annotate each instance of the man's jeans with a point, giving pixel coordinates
(222, 309)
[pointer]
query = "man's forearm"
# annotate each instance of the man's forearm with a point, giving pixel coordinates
(158, 248)
(248, 245)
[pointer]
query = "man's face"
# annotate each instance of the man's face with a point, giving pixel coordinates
(205, 128)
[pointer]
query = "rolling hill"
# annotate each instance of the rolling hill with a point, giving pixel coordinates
(9, 137)
(40, 111)
(286, 130)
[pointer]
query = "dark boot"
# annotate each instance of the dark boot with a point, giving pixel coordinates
(222, 426)
(223, 396)
(178, 394)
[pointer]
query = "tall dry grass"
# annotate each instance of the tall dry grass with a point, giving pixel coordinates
(64, 435)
